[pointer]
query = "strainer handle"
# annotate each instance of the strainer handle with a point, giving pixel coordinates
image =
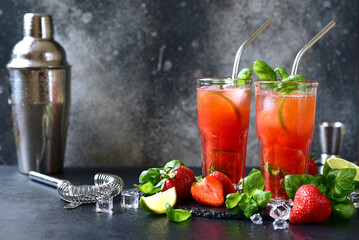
(42, 178)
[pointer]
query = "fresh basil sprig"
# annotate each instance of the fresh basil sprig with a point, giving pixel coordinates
(177, 215)
(245, 73)
(335, 186)
(153, 179)
(253, 198)
(289, 82)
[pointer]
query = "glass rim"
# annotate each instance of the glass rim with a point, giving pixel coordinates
(222, 80)
(310, 82)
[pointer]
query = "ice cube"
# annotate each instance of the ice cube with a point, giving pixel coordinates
(279, 210)
(104, 204)
(238, 187)
(130, 198)
(280, 224)
(354, 197)
(257, 218)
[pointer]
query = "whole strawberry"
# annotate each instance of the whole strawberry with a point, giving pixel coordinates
(313, 168)
(182, 179)
(208, 191)
(226, 182)
(310, 206)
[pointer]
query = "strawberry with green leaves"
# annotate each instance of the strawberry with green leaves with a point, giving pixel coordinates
(173, 174)
(182, 179)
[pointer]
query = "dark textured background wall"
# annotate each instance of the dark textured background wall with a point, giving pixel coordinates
(135, 61)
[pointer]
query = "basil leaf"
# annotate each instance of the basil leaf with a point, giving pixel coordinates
(262, 197)
(293, 182)
(249, 208)
(264, 71)
(320, 179)
(341, 183)
(253, 182)
(233, 199)
(323, 189)
(282, 72)
(245, 73)
(172, 165)
(344, 209)
(295, 78)
(152, 175)
(288, 86)
(177, 215)
(147, 188)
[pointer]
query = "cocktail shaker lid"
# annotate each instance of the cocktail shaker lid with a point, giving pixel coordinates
(37, 49)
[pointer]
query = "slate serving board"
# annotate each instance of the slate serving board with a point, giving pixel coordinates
(221, 212)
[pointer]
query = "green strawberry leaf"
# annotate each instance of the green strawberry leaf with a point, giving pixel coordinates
(172, 165)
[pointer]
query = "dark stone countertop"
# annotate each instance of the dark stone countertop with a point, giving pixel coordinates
(30, 210)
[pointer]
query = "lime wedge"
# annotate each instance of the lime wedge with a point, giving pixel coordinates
(156, 204)
(339, 163)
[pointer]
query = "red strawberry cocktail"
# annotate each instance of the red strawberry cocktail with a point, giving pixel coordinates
(223, 118)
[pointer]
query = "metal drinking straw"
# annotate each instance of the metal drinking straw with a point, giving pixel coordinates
(310, 44)
(244, 45)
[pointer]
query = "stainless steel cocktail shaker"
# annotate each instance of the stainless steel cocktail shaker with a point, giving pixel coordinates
(39, 97)
(330, 139)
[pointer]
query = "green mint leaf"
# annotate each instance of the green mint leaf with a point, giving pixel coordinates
(344, 209)
(262, 197)
(282, 72)
(264, 71)
(252, 182)
(233, 199)
(177, 215)
(161, 183)
(147, 188)
(245, 73)
(249, 208)
(341, 183)
(172, 165)
(199, 178)
(293, 182)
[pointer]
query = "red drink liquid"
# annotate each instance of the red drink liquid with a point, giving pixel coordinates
(285, 125)
(223, 119)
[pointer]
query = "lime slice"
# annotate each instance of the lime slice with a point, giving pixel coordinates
(220, 96)
(280, 109)
(156, 204)
(339, 163)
